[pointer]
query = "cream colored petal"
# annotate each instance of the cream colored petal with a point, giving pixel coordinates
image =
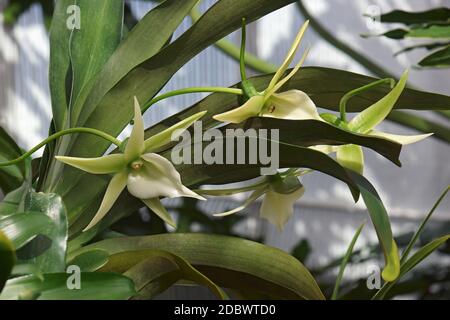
(157, 178)
(115, 188)
(278, 85)
(289, 56)
(292, 104)
(278, 208)
(103, 165)
(165, 136)
(401, 139)
(135, 144)
(253, 196)
(157, 207)
(351, 156)
(251, 108)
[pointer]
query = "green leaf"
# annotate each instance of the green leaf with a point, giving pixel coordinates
(412, 262)
(150, 269)
(307, 133)
(7, 259)
(28, 214)
(345, 260)
(11, 177)
(94, 286)
(90, 261)
(229, 262)
(145, 40)
(22, 227)
(54, 244)
(91, 46)
(434, 15)
(380, 220)
(439, 58)
(422, 253)
(11, 202)
(60, 76)
(427, 46)
(416, 235)
(432, 31)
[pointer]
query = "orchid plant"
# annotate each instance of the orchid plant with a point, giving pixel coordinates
(75, 200)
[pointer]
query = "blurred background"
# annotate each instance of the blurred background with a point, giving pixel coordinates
(326, 217)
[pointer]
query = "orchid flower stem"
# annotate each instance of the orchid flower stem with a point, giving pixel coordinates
(242, 55)
(350, 94)
(59, 134)
(190, 90)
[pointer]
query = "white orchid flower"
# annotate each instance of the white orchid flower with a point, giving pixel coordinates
(148, 176)
(351, 156)
(291, 104)
(280, 191)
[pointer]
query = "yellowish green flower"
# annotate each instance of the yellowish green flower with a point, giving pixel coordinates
(147, 175)
(291, 104)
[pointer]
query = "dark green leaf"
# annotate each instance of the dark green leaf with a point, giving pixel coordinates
(20, 228)
(427, 46)
(392, 34)
(408, 18)
(11, 177)
(142, 42)
(307, 133)
(94, 286)
(54, 244)
(93, 44)
(380, 220)
(90, 261)
(440, 58)
(229, 262)
(151, 268)
(60, 76)
(11, 202)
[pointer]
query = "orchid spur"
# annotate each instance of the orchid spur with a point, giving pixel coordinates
(291, 104)
(146, 174)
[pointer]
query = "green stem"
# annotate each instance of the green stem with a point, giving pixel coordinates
(58, 135)
(190, 90)
(242, 55)
(352, 93)
(344, 262)
(229, 48)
